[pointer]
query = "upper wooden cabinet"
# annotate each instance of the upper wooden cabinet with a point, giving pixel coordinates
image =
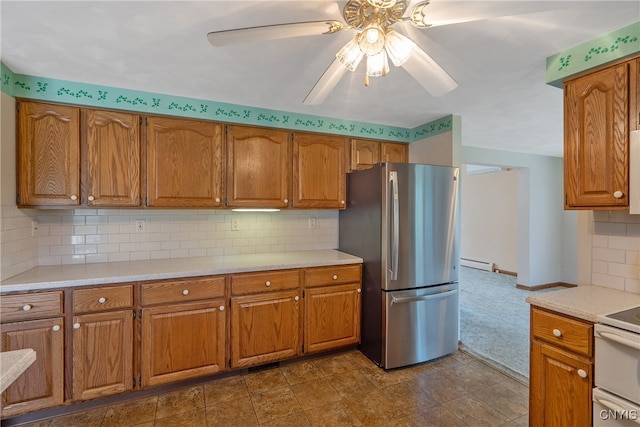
(365, 153)
(600, 110)
(48, 155)
(319, 176)
(113, 158)
(258, 167)
(393, 152)
(184, 163)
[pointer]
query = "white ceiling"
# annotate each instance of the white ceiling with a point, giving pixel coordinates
(161, 47)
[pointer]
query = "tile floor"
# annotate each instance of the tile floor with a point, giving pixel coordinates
(343, 389)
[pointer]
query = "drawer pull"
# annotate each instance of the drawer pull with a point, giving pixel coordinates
(582, 373)
(185, 292)
(297, 298)
(335, 277)
(221, 308)
(102, 300)
(27, 307)
(618, 194)
(91, 198)
(217, 199)
(56, 328)
(74, 197)
(557, 333)
(267, 283)
(359, 290)
(76, 326)
(286, 200)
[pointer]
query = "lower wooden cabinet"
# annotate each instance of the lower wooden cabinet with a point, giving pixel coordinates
(42, 384)
(265, 328)
(184, 329)
(561, 370)
(182, 341)
(102, 354)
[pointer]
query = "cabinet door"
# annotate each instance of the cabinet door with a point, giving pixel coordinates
(41, 385)
(258, 167)
(392, 152)
(102, 354)
(182, 341)
(184, 163)
(319, 163)
(560, 387)
(332, 317)
(596, 139)
(113, 158)
(264, 328)
(48, 155)
(364, 154)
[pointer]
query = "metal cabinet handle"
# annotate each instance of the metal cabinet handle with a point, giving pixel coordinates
(56, 328)
(267, 283)
(91, 198)
(618, 194)
(185, 292)
(102, 300)
(27, 307)
(557, 333)
(76, 326)
(582, 373)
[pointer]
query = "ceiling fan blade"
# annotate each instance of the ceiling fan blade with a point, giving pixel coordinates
(273, 32)
(428, 73)
(326, 83)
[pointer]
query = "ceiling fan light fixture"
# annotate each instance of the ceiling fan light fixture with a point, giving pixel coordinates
(350, 55)
(377, 65)
(398, 47)
(384, 4)
(418, 16)
(371, 40)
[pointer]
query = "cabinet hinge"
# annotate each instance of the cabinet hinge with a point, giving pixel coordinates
(133, 385)
(146, 122)
(140, 381)
(303, 348)
(140, 120)
(134, 314)
(17, 107)
(140, 314)
(303, 293)
(229, 363)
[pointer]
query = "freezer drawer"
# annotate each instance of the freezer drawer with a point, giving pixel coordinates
(419, 324)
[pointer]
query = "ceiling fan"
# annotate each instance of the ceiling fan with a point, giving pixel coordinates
(374, 41)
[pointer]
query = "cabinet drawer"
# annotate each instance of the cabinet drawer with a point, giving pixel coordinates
(182, 290)
(251, 283)
(104, 298)
(334, 275)
(572, 334)
(31, 306)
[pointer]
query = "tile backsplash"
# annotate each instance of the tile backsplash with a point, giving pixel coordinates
(88, 236)
(615, 252)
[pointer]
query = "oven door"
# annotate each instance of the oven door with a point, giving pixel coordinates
(617, 362)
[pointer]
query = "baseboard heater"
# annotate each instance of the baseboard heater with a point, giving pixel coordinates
(480, 265)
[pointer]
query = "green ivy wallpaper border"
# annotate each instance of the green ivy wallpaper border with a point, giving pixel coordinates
(63, 91)
(610, 47)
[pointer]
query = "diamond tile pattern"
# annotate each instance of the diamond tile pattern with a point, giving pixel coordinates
(343, 389)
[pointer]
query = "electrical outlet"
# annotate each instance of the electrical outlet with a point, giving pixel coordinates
(34, 228)
(235, 224)
(312, 222)
(139, 226)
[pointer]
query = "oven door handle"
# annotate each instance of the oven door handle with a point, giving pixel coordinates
(614, 407)
(620, 340)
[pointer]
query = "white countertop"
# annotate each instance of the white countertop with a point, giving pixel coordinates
(585, 301)
(60, 276)
(13, 364)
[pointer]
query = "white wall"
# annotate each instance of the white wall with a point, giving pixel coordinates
(489, 218)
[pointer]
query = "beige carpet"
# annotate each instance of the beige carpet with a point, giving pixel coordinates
(494, 320)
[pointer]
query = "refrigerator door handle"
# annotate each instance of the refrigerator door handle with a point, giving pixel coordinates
(440, 295)
(395, 224)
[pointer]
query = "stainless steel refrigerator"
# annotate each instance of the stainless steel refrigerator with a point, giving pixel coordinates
(403, 220)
